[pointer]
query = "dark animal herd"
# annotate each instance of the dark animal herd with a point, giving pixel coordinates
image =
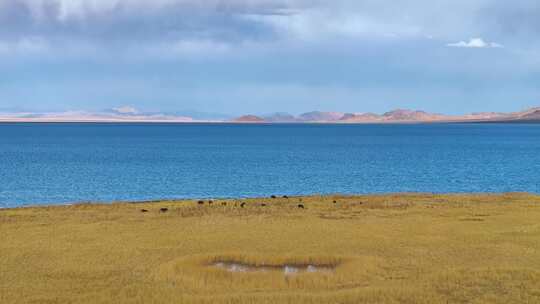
(242, 205)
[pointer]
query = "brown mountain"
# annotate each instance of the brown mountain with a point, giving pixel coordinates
(360, 117)
(532, 114)
(410, 115)
(249, 119)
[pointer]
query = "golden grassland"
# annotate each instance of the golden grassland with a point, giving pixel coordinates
(403, 248)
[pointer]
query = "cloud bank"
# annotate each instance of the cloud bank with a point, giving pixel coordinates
(188, 24)
(475, 43)
(297, 55)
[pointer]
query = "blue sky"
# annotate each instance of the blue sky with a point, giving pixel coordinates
(242, 56)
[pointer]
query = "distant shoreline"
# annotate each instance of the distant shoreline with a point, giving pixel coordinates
(398, 116)
(518, 121)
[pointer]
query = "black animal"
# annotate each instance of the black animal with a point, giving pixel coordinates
(273, 196)
(301, 206)
(335, 202)
(210, 202)
(242, 205)
(263, 205)
(200, 202)
(144, 210)
(285, 196)
(163, 209)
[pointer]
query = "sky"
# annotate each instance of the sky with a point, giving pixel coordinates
(246, 56)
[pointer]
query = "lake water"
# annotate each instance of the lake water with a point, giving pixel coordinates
(60, 163)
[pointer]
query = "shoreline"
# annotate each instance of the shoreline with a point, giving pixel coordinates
(196, 122)
(268, 198)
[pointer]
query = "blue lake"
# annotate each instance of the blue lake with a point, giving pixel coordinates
(60, 163)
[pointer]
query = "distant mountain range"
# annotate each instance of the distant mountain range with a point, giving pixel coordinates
(395, 116)
(130, 114)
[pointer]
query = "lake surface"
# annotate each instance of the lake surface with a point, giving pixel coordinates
(60, 163)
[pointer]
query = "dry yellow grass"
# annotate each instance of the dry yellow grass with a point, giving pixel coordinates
(386, 249)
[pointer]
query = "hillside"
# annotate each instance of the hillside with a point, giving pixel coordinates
(249, 119)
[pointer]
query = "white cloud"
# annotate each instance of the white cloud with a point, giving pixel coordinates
(317, 24)
(198, 28)
(475, 43)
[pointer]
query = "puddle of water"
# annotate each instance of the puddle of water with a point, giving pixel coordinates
(286, 269)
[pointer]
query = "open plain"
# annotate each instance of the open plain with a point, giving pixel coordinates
(401, 248)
